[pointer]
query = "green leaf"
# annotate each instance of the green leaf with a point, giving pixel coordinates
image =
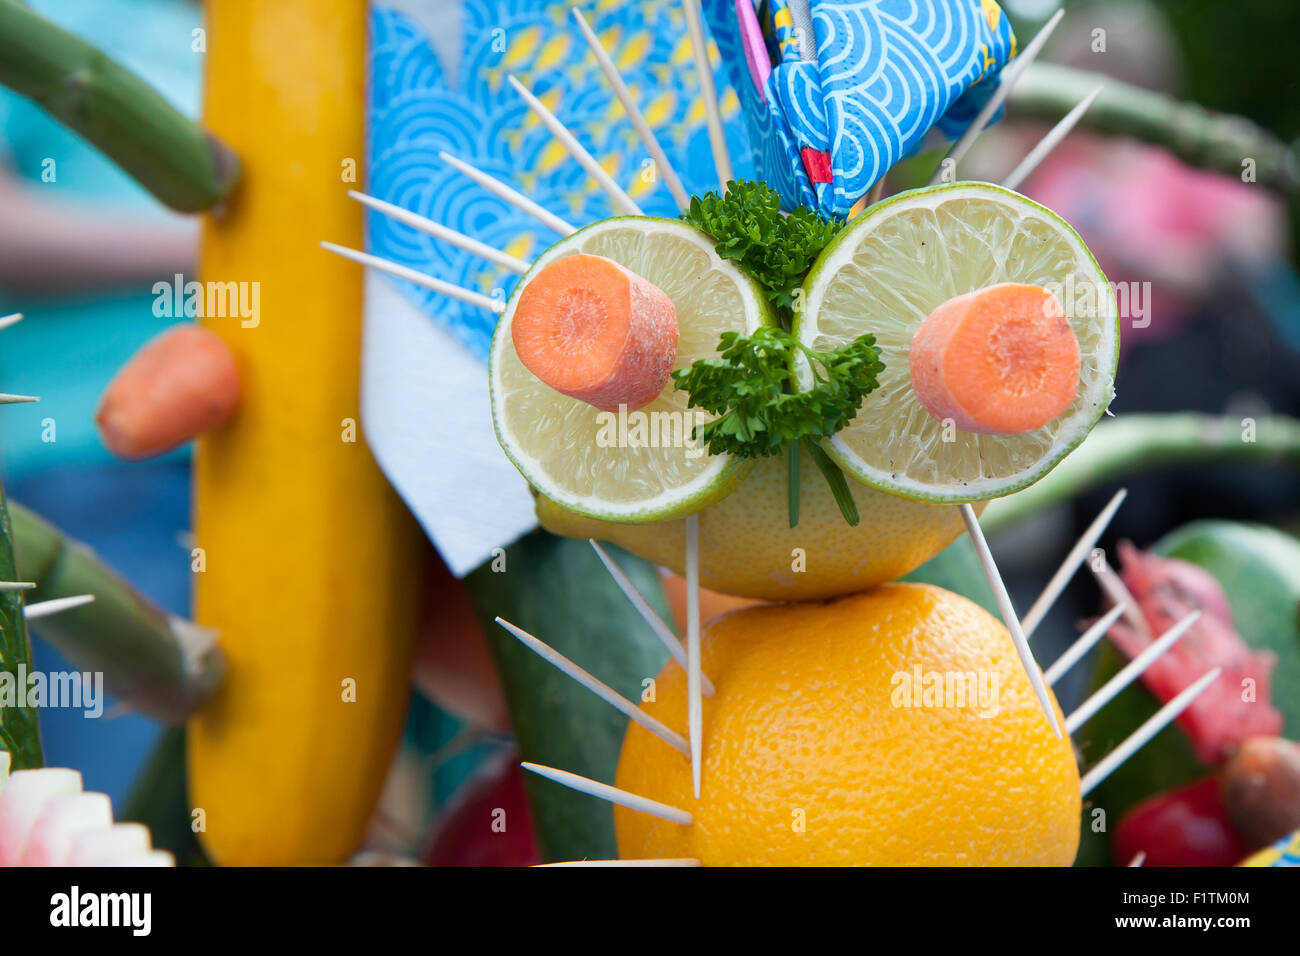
(835, 479)
(557, 589)
(19, 730)
(159, 799)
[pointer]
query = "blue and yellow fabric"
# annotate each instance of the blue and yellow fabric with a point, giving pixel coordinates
(820, 98)
(438, 82)
(1285, 852)
(836, 91)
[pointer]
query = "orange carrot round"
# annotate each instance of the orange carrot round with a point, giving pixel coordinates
(597, 332)
(999, 360)
(181, 384)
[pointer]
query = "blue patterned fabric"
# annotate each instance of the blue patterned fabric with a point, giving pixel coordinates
(884, 73)
(420, 105)
(879, 74)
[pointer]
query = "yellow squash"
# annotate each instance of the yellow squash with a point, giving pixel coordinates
(309, 558)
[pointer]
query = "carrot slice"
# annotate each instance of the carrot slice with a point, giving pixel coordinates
(598, 332)
(999, 360)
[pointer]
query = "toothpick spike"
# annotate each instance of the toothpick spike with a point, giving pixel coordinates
(597, 687)
(1009, 614)
(6, 399)
(1049, 142)
(708, 93)
(643, 130)
(570, 142)
(1118, 592)
(46, 608)
(648, 613)
(439, 231)
(695, 702)
(1010, 74)
(1130, 672)
(16, 586)
(611, 794)
(419, 278)
(1082, 548)
(667, 861)
(1139, 859)
(1081, 646)
(509, 195)
(1139, 738)
(9, 320)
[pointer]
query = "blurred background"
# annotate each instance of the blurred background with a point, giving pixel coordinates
(81, 246)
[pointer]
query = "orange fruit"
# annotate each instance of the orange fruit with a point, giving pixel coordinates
(823, 746)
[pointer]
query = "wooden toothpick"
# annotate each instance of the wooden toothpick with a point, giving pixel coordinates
(1118, 592)
(1009, 614)
(643, 130)
(45, 608)
(682, 861)
(1136, 740)
(1082, 548)
(1010, 75)
(708, 93)
(661, 630)
(1081, 646)
(694, 695)
(570, 142)
(439, 231)
(612, 794)
(1049, 142)
(1130, 672)
(597, 687)
(419, 278)
(512, 196)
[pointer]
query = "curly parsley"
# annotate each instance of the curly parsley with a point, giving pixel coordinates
(751, 387)
(748, 226)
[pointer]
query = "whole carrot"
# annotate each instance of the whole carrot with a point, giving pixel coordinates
(182, 384)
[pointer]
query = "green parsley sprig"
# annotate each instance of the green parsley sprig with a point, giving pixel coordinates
(750, 387)
(748, 226)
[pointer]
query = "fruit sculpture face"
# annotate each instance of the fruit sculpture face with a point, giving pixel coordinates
(894, 727)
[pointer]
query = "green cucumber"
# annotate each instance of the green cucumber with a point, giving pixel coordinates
(557, 589)
(19, 729)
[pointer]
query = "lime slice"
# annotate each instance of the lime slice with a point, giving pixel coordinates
(889, 269)
(641, 467)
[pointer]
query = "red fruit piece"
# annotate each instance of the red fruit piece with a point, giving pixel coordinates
(1225, 714)
(1184, 827)
(488, 822)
